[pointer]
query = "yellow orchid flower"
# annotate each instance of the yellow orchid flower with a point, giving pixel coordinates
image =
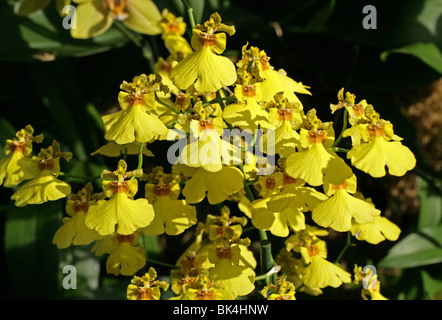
(338, 211)
(283, 290)
(283, 211)
(121, 211)
(237, 280)
(136, 122)
(172, 215)
(218, 185)
(376, 231)
(127, 257)
(320, 272)
(311, 163)
(74, 230)
(44, 186)
(94, 17)
(286, 118)
(247, 113)
(173, 29)
(379, 148)
(146, 287)
(206, 148)
(205, 68)
(18, 165)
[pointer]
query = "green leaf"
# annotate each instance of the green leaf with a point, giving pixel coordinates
(32, 260)
(320, 19)
(417, 249)
(430, 212)
(427, 52)
(25, 7)
(431, 284)
(41, 36)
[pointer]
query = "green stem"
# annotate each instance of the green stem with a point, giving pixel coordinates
(344, 127)
(189, 11)
(125, 152)
(73, 176)
(219, 99)
(127, 33)
(267, 261)
(337, 149)
(160, 263)
(140, 156)
(347, 245)
(157, 99)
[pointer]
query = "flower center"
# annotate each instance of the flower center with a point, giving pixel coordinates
(313, 250)
(136, 98)
(207, 39)
(224, 253)
(358, 109)
(144, 293)
(285, 114)
(17, 146)
(117, 7)
(249, 90)
(205, 294)
(270, 183)
(340, 186)
(161, 190)
(119, 187)
(287, 179)
(376, 130)
(316, 136)
(206, 124)
(284, 297)
(125, 238)
(46, 164)
(81, 206)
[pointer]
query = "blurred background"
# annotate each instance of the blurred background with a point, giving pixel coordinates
(62, 86)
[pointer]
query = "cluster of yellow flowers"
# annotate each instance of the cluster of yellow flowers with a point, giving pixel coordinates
(195, 96)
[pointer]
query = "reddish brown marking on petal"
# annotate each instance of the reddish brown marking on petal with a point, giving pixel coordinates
(358, 109)
(205, 295)
(207, 39)
(125, 238)
(144, 293)
(206, 124)
(135, 98)
(161, 190)
(81, 206)
(224, 253)
(316, 136)
(313, 250)
(119, 187)
(17, 146)
(270, 183)
(340, 186)
(285, 114)
(46, 164)
(288, 180)
(376, 130)
(249, 90)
